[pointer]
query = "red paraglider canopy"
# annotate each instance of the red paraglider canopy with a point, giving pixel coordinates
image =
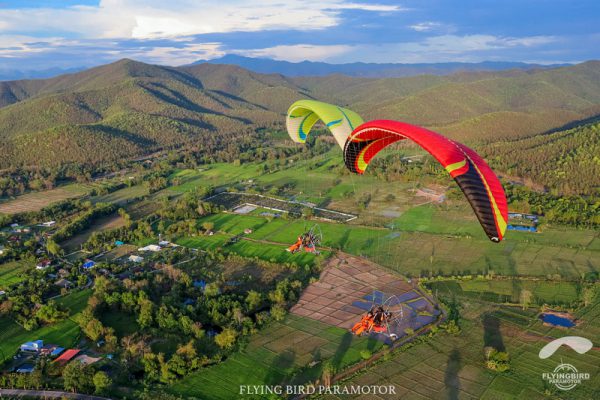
(475, 178)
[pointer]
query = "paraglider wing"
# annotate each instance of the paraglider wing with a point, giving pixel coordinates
(303, 114)
(475, 178)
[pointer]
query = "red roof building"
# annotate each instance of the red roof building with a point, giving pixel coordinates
(67, 356)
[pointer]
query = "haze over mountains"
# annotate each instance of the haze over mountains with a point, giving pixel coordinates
(367, 70)
(127, 109)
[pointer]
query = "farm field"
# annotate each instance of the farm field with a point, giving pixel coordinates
(122, 196)
(509, 290)
(35, 201)
(63, 333)
(278, 354)
(10, 271)
(452, 367)
(320, 184)
(414, 252)
(99, 225)
(214, 175)
(268, 252)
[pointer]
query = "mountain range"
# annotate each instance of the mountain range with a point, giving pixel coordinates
(367, 70)
(128, 109)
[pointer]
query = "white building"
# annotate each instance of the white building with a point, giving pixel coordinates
(150, 247)
(136, 259)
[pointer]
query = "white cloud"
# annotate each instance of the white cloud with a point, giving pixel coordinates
(371, 7)
(530, 41)
(425, 26)
(170, 55)
(160, 19)
(447, 48)
(299, 52)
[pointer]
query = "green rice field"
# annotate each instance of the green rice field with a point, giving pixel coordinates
(509, 290)
(409, 251)
(279, 354)
(12, 272)
(452, 367)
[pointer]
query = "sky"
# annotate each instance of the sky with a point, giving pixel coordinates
(45, 34)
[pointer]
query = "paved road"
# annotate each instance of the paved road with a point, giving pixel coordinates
(47, 394)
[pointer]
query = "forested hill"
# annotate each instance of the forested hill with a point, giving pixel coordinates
(566, 161)
(128, 109)
(125, 110)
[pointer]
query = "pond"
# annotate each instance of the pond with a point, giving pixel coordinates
(557, 320)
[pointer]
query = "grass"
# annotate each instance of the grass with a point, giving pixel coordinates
(509, 290)
(35, 201)
(100, 224)
(11, 273)
(122, 196)
(76, 301)
(64, 333)
(420, 239)
(436, 250)
(450, 366)
(215, 175)
(281, 353)
(264, 251)
(124, 324)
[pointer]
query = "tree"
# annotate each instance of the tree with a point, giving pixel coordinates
(94, 329)
(82, 280)
(50, 313)
(226, 339)
(278, 312)
(101, 285)
(151, 367)
(328, 372)
(53, 248)
(101, 382)
(110, 339)
(187, 351)
(145, 315)
(165, 318)
(77, 377)
(525, 298)
(588, 294)
(208, 226)
(254, 300)
(211, 289)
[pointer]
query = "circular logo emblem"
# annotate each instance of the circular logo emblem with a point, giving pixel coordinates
(566, 373)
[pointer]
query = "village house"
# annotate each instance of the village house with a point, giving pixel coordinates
(136, 259)
(150, 247)
(67, 356)
(43, 264)
(33, 346)
(63, 283)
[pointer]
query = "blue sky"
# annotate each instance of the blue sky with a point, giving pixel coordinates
(42, 34)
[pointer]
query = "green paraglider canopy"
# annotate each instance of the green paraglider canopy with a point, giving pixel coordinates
(303, 114)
